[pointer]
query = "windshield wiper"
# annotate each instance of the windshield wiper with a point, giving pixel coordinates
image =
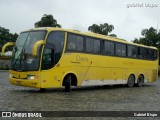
(20, 55)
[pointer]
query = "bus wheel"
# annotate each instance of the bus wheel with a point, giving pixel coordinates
(140, 81)
(131, 81)
(67, 84)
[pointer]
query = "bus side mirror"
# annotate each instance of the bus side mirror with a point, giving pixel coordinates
(6, 45)
(35, 46)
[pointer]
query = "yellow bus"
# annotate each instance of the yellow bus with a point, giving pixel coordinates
(55, 57)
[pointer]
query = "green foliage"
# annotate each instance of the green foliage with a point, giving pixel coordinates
(151, 37)
(103, 29)
(5, 62)
(113, 35)
(47, 21)
(6, 36)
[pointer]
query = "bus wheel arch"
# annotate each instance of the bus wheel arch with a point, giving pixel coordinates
(140, 80)
(131, 80)
(69, 80)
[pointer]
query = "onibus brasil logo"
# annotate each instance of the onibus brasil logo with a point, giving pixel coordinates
(21, 114)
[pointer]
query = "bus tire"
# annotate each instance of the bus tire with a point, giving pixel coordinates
(67, 84)
(140, 81)
(131, 81)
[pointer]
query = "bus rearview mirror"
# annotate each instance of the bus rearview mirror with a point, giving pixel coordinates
(35, 46)
(6, 45)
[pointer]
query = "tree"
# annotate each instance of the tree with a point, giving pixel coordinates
(47, 21)
(151, 37)
(103, 29)
(6, 36)
(113, 35)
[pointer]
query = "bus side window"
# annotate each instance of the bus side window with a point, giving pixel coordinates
(129, 52)
(134, 51)
(89, 45)
(96, 46)
(155, 54)
(118, 49)
(71, 43)
(75, 43)
(143, 53)
(150, 54)
(80, 43)
(112, 48)
(139, 54)
(108, 48)
(123, 50)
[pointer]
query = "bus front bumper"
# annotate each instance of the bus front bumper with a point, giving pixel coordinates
(34, 83)
(26, 83)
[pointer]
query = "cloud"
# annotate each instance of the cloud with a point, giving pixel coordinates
(19, 15)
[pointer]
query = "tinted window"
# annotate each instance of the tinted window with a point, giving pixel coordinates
(123, 50)
(129, 51)
(155, 55)
(118, 49)
(48, 58)
(112, 48)
(72, 42)
(75, 43)
(132, 51)
(108, 48)
(89, 45)
(150, 54)
(79, 43)
(53, 49)
(143, 53)
(57, 40)
(96, 46)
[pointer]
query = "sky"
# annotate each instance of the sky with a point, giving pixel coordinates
(128, 17)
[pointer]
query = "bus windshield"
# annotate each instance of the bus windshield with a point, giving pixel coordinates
(22, 52)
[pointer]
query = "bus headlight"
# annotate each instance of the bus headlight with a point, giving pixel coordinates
(31, 77)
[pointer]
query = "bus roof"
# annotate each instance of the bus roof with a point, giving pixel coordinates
(91, 34)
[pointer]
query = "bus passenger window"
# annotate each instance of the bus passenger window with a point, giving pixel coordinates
(155, 55)
(118, 49)
(143, 53)
(75, 43)
(89, 45)
(112, 48)
(108, 48)
(132, 51)
(71, 44)
(150, 54)
(123, 50)
(96, 46)
(79, 43)
(129, 52)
